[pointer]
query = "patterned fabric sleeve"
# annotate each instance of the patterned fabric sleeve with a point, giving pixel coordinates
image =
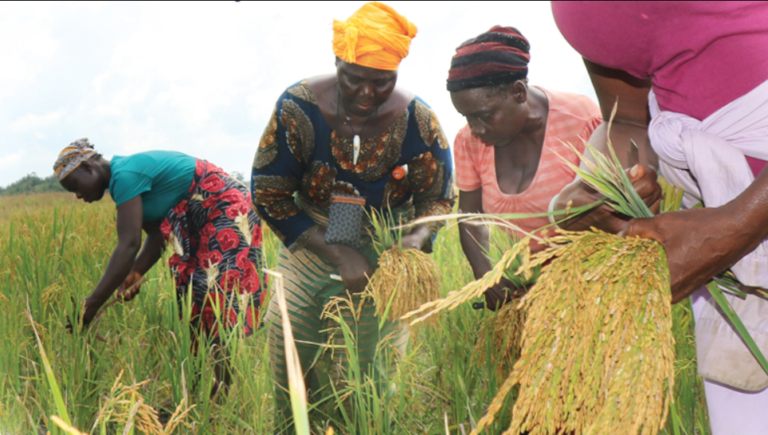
(279, 164)
(430, 173)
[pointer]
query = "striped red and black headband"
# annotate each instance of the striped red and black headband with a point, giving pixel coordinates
(498, 56)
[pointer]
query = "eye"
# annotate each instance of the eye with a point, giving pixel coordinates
(381, 83)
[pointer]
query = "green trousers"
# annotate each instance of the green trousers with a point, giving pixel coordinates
(308, 288)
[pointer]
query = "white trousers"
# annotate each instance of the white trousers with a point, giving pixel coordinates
(732, 411)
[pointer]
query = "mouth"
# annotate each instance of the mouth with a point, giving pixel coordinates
(365, 108)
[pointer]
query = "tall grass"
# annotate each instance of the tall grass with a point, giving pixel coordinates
(53, 251)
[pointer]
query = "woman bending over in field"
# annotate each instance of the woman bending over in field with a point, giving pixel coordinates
(203, 213)
(508, 156)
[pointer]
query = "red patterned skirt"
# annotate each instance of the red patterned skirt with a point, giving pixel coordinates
(216, 238)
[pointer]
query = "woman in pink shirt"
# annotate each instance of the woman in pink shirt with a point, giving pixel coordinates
(691, 79)
(507, 157)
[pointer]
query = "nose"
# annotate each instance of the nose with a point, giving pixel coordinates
(366, 91)
(79, 195)
(477, 129)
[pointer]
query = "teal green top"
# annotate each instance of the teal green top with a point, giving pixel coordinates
(162, 178)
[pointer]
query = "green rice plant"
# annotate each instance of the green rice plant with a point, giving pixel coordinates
(148, 339)
(61, 407)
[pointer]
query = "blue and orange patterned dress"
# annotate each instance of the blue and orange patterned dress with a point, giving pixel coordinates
(300, 163)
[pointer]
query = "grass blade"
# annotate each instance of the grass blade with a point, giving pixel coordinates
(296, 388)
(722, 302)
(61, 408)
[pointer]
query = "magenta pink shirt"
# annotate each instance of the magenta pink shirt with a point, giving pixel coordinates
(700, 56)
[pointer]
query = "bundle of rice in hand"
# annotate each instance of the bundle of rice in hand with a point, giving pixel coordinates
(598, 349)
(405, 278)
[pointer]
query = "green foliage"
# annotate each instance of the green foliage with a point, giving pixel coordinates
(53, 251)
(31, 183)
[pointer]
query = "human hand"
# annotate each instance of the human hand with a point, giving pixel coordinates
(354, 268)
(605, 217)
(700, 243)
(501, 293)
(86, 314)
(130, 287)
(416, 239)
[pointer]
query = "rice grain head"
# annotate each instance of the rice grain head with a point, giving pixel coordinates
(404, 281)
(597, 347)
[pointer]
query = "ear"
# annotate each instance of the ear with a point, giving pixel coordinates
(519, 91)
(87, 166)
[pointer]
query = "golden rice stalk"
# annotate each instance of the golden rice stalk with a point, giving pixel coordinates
(404, 281)
(505, 330)
(71, 430)
(598, 350)
(477, 288)
(125, 405)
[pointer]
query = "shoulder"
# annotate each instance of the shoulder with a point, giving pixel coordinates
(426, 119)
(572, 105)
(300, 91)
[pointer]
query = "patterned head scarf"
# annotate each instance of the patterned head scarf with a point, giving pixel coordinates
(72, 156)
(375, 36)
(498, 56)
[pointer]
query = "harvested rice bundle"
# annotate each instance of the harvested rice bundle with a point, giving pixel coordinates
(505, 329)
(405, 278)
(598, 351)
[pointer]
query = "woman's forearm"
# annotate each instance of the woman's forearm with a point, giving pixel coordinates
(150, 253)
(747, 216)
(475, 241)
(119, 266)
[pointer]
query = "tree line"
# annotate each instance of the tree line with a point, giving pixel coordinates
(31, 183)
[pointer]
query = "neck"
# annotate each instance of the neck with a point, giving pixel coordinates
(538, 112)
(104, 168)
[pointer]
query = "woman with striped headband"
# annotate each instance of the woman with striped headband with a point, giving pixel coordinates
(203, 213)
(348, 137)
(507, 156)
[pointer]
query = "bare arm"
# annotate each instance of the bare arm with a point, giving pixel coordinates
(475, 242)
(129, 222)
(700, 243)
(475, 239)
(152, 249)
(630, 123)
(703, 242)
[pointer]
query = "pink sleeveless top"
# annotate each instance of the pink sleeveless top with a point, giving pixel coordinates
(571, 118)
(700, 56)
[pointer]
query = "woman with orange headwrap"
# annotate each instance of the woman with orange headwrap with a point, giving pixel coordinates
(336, 142)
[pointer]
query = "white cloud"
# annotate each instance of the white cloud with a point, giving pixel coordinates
(33, 123)
(10, 159)
(203, 78)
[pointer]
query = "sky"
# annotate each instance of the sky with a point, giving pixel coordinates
(203, 78)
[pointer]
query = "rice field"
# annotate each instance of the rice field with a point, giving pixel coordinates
(138, 360)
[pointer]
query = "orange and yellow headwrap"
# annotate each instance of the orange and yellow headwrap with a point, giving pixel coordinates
(72, 156)
(375, 36)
